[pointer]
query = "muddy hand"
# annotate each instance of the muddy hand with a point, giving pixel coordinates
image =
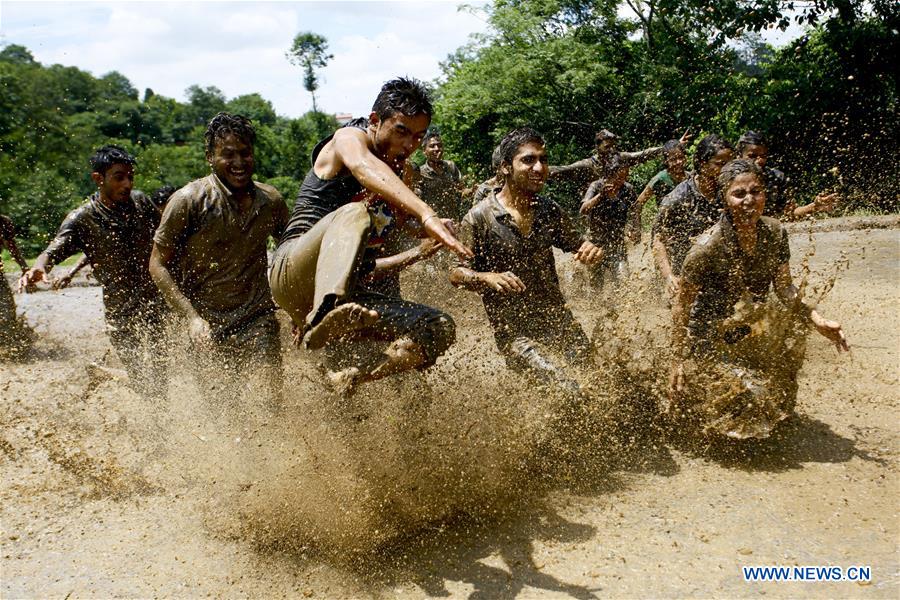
(199, 331)
(436, 230)
(589, 254)
(28, 279)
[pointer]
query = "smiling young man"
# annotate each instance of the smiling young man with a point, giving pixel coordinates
(512, 233)
(114, 229)
(354, 194)
(209, 260)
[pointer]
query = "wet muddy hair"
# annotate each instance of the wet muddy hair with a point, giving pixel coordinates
(107, 156)
(604, 134)
(731, 171)
(223, 124)
(751, 138)
(495, 160)
(514, 140)
(161, 196)
(708, 147)
(431, 133)
(403, 95)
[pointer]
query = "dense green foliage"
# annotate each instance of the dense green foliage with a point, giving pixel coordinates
(53, 118)
(827, 101)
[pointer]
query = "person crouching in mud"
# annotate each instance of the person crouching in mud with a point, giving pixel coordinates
(725, 280)
(512, 233)
(356, 192)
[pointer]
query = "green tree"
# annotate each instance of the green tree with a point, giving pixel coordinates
(254, 107)
(309, 52)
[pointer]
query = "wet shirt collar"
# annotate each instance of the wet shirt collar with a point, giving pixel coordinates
(259, 200)
(120, 216)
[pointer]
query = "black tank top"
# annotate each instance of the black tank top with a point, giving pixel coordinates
(319, 197)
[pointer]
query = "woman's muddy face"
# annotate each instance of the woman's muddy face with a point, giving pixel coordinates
(745, 198)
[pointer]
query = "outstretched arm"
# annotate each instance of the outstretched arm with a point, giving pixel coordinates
(66, 279)
(352, 151)
(790, 296)
(681, 307)
(397, 262)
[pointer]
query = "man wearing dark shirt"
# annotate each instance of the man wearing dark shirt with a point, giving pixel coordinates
(356, 192)
(114, 229)
(610, 206)
(512, 234)
(14, 335)
(689, 210)
(438, 183)
(209, 260)
(598, 166)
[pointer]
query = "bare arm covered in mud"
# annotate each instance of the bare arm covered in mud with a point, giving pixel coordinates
(681, 310)
(823, 203)
(65, 280)
(349, 149)
(507, 283)
(8, 237)
(790, 296)
(664, 265)
(397, 262)
(198, 328)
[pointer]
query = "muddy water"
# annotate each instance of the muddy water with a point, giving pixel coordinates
(422, 486)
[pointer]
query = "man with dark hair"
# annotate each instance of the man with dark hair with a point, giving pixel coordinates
(438, 183)
(610, 207)
(754, 146)
(354, 194)
(598, 165)
(689, 210)
(512, 233)
(158, 199)
(209, 260)
(114, 229)
(662, 184)
(15, 336)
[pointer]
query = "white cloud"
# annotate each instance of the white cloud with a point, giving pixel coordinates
(239, 47)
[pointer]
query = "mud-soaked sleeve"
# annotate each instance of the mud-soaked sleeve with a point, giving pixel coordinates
(7, 231)
(68, 239)
(696, 265)
(567, 238)
(633, 158)
(279, 217)
(585, 165)
(172, 230)
(591, 191)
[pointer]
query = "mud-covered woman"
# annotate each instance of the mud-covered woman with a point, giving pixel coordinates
(737, 354)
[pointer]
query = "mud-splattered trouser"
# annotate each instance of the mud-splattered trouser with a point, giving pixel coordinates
(319, 270)
(243, 357)
(612, 270)
(549, 354)
(15, 338)
(139, 341)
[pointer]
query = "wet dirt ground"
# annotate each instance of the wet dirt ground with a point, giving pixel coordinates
(104, 496)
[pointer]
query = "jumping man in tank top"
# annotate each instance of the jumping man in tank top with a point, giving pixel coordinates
(354, 194)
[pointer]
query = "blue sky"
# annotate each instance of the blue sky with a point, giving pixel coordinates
(239, 46)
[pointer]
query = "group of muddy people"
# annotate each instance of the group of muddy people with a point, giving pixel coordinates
(200, 255)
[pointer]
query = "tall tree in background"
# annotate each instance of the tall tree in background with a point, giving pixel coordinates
(310, 52)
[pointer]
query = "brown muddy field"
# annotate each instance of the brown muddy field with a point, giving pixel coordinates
(426, 486)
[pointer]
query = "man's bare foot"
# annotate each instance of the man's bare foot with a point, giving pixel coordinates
(343, 382)
(340, 321)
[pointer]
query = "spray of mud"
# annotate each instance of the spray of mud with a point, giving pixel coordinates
(347, 478)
